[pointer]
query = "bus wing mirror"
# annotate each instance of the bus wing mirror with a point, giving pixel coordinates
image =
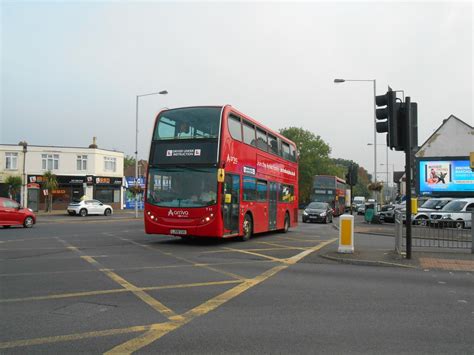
(228, 198)
(220, 175)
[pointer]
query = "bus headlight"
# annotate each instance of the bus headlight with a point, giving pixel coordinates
(207, 219)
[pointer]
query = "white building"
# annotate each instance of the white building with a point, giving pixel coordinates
(96, 173)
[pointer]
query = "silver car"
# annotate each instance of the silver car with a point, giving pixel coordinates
(86, 207)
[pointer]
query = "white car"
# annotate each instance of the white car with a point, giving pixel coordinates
(456, 213)
(431, 205)
(86, 207)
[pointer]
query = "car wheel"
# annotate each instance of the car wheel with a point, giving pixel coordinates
(83, 212)
(421, 221)
(459, 224)
(286, 226)
(247, 228)
(304, 220)
(28, 223)
(107, 212)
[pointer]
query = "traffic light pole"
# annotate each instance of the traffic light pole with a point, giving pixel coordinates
(408, 164)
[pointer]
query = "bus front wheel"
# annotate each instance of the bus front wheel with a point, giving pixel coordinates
(247, 227)
(286, 224)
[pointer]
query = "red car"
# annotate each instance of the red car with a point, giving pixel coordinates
(11, 213)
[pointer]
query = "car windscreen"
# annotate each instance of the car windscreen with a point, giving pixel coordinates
(317, 205)
(454, 206)
(431, 203)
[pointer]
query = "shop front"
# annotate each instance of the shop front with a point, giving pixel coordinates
(108, 190)
(69, 188)
(72, 188)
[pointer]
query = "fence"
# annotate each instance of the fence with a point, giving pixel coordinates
(436, 234)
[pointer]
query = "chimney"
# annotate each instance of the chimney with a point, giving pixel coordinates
(94, 143)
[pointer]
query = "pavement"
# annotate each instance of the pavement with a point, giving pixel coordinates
(374, 245)
(63, 212)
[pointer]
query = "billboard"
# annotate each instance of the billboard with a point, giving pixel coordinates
(445, 176)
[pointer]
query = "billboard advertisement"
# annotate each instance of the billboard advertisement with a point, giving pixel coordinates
(445, 176)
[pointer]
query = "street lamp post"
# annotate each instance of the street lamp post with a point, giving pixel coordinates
(375, 119)
(386, 156)
(163, 92)
(393, 170)
(24, 144)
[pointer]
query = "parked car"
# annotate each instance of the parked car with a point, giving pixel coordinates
(361, 209)
(11, 214)
(318, 212)
(388, 213)
(431, 205)
(86, 207)
(456, 213)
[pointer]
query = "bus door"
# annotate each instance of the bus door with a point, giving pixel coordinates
(272, 206)
(231, 202)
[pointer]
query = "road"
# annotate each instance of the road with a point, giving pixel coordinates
(100, 285)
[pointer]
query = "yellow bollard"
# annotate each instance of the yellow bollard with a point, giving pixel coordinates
(346, 234)
(414, 205)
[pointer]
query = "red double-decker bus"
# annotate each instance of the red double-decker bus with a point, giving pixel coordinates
(215, 172)
(330, 189)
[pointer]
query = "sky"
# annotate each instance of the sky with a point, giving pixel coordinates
(72, 70)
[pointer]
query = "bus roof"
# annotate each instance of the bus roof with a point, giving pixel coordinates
(234, 110)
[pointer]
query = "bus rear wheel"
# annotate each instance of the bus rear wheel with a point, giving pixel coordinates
(247, 227)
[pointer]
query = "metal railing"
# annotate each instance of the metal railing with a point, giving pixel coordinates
(436, 234)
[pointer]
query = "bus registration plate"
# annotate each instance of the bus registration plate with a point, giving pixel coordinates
(178, 231)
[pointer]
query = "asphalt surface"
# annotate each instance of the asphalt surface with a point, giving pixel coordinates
(97, 284)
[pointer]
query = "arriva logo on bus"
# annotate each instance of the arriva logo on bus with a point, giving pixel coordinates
(178, 213)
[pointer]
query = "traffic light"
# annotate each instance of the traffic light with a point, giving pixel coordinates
(351, 176)
(354, 174)
(388, 117)
(402, 123)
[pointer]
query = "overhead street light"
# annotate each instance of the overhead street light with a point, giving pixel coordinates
(163, 92)
(375, 118)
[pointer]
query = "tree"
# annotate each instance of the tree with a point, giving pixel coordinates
(313, 158)
(14, 186)
(128, 161)
(50, 183)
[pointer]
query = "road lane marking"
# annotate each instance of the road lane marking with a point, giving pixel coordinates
(278, 260)
(234, 276)
(251, 249)
(283, 247)
(139, 267)
(152, 302)
(155, 331)
(117, 290)
(70, 337)
(152, 335)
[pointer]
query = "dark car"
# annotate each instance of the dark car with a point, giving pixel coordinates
(318, 212)
(11, 214)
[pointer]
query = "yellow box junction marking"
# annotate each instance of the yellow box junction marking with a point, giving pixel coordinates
(155, 331)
